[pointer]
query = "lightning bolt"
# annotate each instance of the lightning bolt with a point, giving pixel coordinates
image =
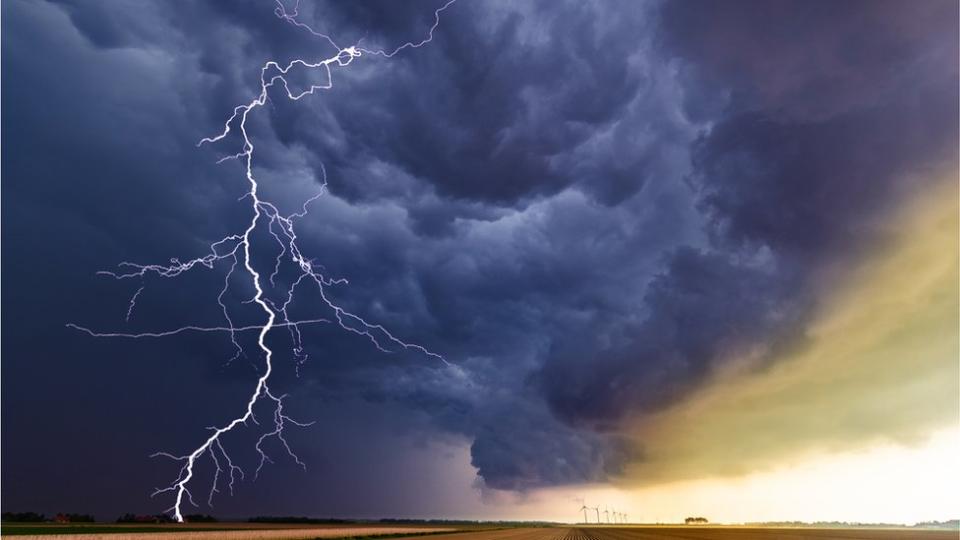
(235, 251)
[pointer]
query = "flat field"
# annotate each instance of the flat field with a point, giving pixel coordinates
(210, 531)
(246, 531)
(700, 532)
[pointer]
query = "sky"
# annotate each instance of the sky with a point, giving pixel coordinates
(680, 258)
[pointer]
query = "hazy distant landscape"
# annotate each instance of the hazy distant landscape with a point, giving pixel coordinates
(478, 531)
(303, 528)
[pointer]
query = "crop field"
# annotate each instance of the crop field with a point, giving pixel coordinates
(245, 531)
(680, 532)
(212, 531)
(699, 532)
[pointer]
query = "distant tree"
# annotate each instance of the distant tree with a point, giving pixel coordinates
(695, 520)
(952, 524)
(23, 517)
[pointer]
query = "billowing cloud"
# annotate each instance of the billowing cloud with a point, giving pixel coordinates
(590, 209)
(879, 364)
(791, 195)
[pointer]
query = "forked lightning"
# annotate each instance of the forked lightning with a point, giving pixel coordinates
(235, 251)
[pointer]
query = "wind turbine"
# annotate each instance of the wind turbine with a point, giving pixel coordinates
(597, 510)
(584, 510)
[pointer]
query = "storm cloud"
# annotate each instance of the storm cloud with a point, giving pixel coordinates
(587, 208)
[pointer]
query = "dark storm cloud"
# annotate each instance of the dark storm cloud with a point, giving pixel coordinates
(830, 110)
(473, 141)
(702, 307)
(550, 453)
(834, 175)
(478, 272)
(822, 117)
(812, 59)
(521, 93)
(585, 207)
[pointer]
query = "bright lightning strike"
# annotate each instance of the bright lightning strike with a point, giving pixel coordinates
(235, 250)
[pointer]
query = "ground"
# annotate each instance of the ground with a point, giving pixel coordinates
(248, 531)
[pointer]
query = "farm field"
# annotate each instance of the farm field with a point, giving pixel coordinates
(720, 532)
(245, 531)
(212, 531)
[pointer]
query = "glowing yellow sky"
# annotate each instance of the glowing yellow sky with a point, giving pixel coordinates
(878, 373)
(888, 483)
(861, 421)
(879, 363)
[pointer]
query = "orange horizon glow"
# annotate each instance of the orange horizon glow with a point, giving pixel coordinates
(861, 424)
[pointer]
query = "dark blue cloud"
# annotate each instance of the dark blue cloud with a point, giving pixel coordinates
(585, 208)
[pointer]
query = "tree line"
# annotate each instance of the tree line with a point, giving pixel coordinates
(34, 517)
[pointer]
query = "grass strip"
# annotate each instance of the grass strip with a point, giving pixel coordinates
(22, 530)
(406, 535)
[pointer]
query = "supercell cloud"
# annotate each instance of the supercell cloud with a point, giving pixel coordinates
(591, 209)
